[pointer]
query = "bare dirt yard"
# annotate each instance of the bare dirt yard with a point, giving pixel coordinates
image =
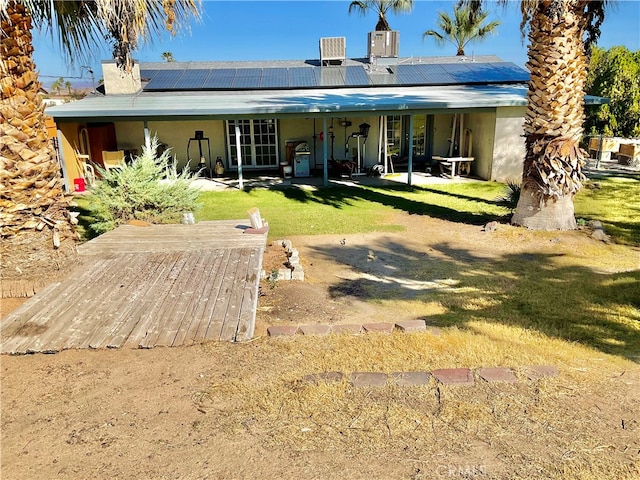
(240, 411)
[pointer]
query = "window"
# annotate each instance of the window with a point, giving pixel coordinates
(258, 142)
(394, 134)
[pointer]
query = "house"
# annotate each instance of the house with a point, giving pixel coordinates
(355, 112)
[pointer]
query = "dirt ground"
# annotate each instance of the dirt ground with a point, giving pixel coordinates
(173, 413)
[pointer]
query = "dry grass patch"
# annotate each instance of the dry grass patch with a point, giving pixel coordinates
(564, 427)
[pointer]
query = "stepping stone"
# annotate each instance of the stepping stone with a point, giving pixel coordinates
(315, 329)
(412, 326)
(497, 374)
(453, 376)
(410, 379)
(368, 379)
(378, 327)
(535, 372)
(347, 328)
(327, 377)
(282, 330)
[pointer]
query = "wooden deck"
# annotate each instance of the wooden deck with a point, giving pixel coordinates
(142, 287)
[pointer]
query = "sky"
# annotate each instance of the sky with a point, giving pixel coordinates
(291, 30)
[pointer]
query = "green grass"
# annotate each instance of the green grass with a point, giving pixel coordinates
(616, 204)
(349, 210)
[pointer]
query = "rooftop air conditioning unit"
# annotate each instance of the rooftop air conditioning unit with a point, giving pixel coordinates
(383, 44)
(333, 50)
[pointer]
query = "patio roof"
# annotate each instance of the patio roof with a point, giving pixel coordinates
(277, 103)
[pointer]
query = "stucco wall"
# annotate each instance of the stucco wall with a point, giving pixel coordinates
(442, 125)
(483, 127)
(508, 149)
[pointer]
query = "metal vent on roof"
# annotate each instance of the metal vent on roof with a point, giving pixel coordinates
(383, 44)
(333, 50)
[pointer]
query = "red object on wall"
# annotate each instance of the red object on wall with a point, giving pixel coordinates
(78, 184)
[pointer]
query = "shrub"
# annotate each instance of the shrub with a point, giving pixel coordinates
(148, 189)
(509, 199)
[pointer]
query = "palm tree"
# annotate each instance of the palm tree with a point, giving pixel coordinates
(67, 85)
(32, 196)
(381, 7)
(57, 85)
(467, 26)
(167, 57)
(560, 35)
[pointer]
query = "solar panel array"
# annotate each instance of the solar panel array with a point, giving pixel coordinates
(350, 76)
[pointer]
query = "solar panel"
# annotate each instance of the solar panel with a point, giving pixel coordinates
(302, 77)
(330, 76)
(221, 78)
(409, 75)
(472, 72)
(433, 74)
(275, 78)
(148, 74)
(513, 72)
(165, 80)
(356, 76)
(193, 79)
(248, 72)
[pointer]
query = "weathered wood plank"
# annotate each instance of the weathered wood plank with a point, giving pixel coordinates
(232, 317)
(247, 322)
(73, 325)
(202, 313)
(67, 294)
(174, 333)
(121, 332)
(117, 306)
(155, 300)
(214, 329)
(180, 291)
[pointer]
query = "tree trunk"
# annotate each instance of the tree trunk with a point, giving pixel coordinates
(552, 172)
(31, 194)
(551, 214)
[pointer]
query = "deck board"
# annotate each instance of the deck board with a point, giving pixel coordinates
(140, 287)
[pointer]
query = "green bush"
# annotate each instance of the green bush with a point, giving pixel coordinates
(148, 189)
(509, 199)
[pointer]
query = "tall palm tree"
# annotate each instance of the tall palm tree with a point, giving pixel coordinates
(467, 26)
(381, 7)
(31, 193)
(560, 35)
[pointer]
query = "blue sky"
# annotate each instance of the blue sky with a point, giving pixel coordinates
(285, 30)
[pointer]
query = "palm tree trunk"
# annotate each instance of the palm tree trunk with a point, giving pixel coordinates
(31, 194)
(552, 172)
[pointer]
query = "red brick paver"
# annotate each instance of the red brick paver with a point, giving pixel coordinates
(412, 326)
(453, 376)
(497, 374)
(315, 329)
(282, 330)
(378, 327)
(368, 379)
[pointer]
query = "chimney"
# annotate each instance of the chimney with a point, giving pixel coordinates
(117, 82)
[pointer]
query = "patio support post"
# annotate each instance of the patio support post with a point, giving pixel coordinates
(410, 161)
(147, 136)
(325, 153)
(239, 155)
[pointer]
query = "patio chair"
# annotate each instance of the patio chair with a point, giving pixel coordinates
(114, 159)
(88, 172)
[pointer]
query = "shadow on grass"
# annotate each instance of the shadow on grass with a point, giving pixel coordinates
(340, 197)
(530, 291)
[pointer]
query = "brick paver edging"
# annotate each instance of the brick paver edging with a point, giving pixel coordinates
(446, 376)
(407, 326)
